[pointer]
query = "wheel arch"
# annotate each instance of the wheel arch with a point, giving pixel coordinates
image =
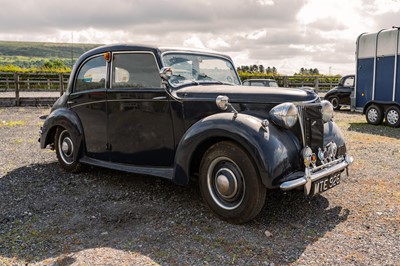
(62, 118)
(246, 131)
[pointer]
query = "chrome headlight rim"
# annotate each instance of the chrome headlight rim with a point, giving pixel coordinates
(327, 111)
(284, 115)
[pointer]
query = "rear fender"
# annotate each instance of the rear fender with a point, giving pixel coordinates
(67, 119)
(273, 150)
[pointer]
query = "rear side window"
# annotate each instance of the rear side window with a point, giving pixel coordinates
(92, 75)
(135, 71)
(349, 82)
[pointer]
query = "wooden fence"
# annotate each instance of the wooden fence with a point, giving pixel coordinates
(16, 83)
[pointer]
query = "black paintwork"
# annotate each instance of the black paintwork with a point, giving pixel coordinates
(165, 131)
(341, 91)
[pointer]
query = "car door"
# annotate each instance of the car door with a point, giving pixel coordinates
(140, 130)
(346, 90)
(88, 101)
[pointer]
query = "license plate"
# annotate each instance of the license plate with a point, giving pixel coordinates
(325, 184)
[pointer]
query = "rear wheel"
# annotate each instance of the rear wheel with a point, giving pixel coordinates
(335, 103)
(230, 183)
(393, 116)
(374, 115)
(66, 148)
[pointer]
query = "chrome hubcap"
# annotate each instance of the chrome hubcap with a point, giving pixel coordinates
(225, 183)
(66, 147)
(372, 115)
(392, 117)
(334, 102)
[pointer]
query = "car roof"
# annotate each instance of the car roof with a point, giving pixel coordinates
(146, 47)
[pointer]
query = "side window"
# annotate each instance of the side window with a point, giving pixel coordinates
(135, 71)
(246, 83)
(92, 74)
(258, 83)
(349, 82)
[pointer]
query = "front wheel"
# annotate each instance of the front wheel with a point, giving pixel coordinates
(66, 148)
(230, 183)
(393, 116)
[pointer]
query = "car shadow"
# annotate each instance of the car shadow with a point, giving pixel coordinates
(50, 217)
(379, 130)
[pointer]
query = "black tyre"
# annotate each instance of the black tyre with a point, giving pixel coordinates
(393, 116)
(374, 115)
(65, 150)
(230, 183)
(335, 103)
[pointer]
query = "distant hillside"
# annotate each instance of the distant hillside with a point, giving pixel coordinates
(34, 54)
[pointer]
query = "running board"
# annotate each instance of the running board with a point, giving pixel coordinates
(154, 171)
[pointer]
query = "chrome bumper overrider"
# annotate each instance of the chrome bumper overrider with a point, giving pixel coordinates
(314, 174)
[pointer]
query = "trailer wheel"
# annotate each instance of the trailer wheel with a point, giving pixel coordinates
(393, 116)
(374, 115)
(335, 103)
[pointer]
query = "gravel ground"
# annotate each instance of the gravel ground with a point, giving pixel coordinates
(104, 217)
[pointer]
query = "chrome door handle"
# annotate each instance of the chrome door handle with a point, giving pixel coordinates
(160, 98)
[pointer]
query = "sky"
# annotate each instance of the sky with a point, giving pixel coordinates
(287, 34)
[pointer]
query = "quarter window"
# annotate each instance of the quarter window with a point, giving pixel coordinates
(349, 82)
(135, 71)
(92, 75)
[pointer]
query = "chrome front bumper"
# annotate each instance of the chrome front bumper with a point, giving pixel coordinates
(314, 174)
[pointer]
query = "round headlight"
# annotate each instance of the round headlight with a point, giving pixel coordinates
(327, 110)
(284, 115)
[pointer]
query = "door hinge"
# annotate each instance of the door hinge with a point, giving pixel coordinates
(108, 147)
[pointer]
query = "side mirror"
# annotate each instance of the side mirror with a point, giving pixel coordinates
(166, 73)
(222, 102)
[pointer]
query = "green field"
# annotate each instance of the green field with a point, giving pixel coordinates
(35, 54)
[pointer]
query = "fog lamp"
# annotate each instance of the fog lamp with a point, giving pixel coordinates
(307, 156)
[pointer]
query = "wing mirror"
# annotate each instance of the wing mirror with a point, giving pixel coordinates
(166, 73)
(223, 103)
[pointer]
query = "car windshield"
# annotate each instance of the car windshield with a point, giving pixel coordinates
(199, 69)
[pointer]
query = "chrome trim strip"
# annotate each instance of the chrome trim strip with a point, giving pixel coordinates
(312, 175)
(395, 66)
(300, 118)
(138, 100)
(82, 104)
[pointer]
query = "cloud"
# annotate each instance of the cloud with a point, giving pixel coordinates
(287, 34)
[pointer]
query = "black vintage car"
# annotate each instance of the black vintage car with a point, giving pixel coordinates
(340, 95)
(176, 113)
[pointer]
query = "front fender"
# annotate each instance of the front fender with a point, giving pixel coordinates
(65, 118)
(273, 150)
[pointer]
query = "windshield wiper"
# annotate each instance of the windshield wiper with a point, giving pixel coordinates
(212, 80)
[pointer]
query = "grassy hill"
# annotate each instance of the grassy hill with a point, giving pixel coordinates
(35, 54)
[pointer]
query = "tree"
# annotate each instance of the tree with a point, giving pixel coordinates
(56, 63)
